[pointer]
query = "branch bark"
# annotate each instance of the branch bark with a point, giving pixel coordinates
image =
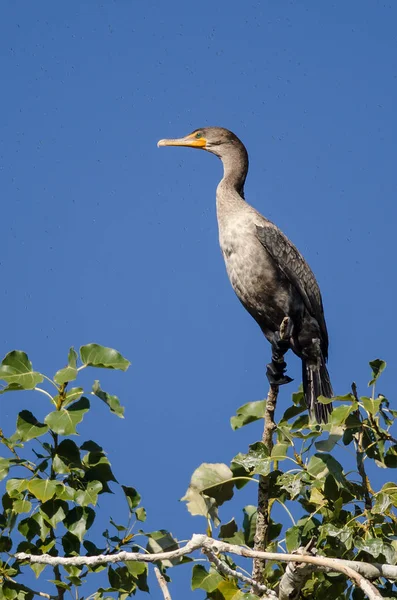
(358, 572)
(259, 589)
(295, 576)
(162, 583)
(263, 509)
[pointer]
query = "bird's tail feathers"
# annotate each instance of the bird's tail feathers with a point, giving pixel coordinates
(316, 382)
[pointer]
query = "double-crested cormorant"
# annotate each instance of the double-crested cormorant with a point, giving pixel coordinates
(270, 277)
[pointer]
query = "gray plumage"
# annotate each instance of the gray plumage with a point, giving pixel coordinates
(269, 275)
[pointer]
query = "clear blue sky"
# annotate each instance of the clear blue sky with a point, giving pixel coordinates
(106, 238)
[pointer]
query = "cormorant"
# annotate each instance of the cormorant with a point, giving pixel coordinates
(269, 275)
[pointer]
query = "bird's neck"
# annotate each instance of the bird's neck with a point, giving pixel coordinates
(235, 169)
(230, 191)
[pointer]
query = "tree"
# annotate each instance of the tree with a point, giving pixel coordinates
(341, 520)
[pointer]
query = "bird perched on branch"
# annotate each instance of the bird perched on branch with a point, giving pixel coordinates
(270, 277)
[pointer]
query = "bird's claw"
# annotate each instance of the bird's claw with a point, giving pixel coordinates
(275, 373)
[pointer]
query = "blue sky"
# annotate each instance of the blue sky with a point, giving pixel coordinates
(106, 238)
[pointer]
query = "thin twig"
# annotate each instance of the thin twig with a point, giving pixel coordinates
(23, 463)
(259, 588)
(163, 584)
(360, 461)
(25, 588)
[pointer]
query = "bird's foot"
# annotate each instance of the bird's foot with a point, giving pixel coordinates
(275, 373)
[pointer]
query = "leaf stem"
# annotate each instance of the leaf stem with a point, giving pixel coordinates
(37, 389)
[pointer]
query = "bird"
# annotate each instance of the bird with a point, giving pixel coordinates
(269, 275)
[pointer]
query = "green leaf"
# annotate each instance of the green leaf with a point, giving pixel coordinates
(54, 511)
(4, 467)
(29, 528)
(229, 590)
(279, 451)
(42, 489)
(79, 520)
(28, 427)
(320, 465)
(248, 413)
(327, 445)
(256, 461)
(140, 514)
(69, 373)
(375, 547)
(136, 568)
(22, 506)
(16, 368)
(89, 495)
(64, 421)
(163, 541)
(249, 524)
(72, 395)
(69, 452)
(215, 479)
(291, 483)
(13, 387)
(377, 367)
(293, 538)
(112, 401)
(132, 496)
(204, 580)
(228, 530)
(340, 413)
(370, 405)
(94, 355)
(383, 501)
(15, 486)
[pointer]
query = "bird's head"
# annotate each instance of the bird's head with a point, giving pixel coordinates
(217, 140)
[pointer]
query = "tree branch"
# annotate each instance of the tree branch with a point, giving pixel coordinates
(163, 584)
(259, 589)
(263, 510)
(358, 572)
(295, 576)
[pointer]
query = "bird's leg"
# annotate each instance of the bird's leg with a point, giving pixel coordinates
(275, 370)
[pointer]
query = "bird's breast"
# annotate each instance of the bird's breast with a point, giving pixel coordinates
(258, 284)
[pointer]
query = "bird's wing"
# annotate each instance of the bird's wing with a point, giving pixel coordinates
(296, 270)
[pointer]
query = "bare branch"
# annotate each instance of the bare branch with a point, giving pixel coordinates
(259, 589)
(359, 573)
(163, 584)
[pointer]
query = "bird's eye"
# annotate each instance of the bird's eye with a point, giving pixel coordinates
(199, 135)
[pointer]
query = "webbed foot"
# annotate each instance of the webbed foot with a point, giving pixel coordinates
(275, 373)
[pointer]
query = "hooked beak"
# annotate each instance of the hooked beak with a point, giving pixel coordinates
(190, 141)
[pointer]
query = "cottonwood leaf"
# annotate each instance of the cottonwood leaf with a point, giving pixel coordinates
(42, 489)
(16, 368)
(205, 580)
(64, 421)
(112, 401)
(69, 373)
(79, 520)
(256, 461)
(215, 480)
(89, 495)
(94, 355)
(22, 506)
(132, 496)
(377, 367)
(163, 541)
(248, 413)
(28, 427)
